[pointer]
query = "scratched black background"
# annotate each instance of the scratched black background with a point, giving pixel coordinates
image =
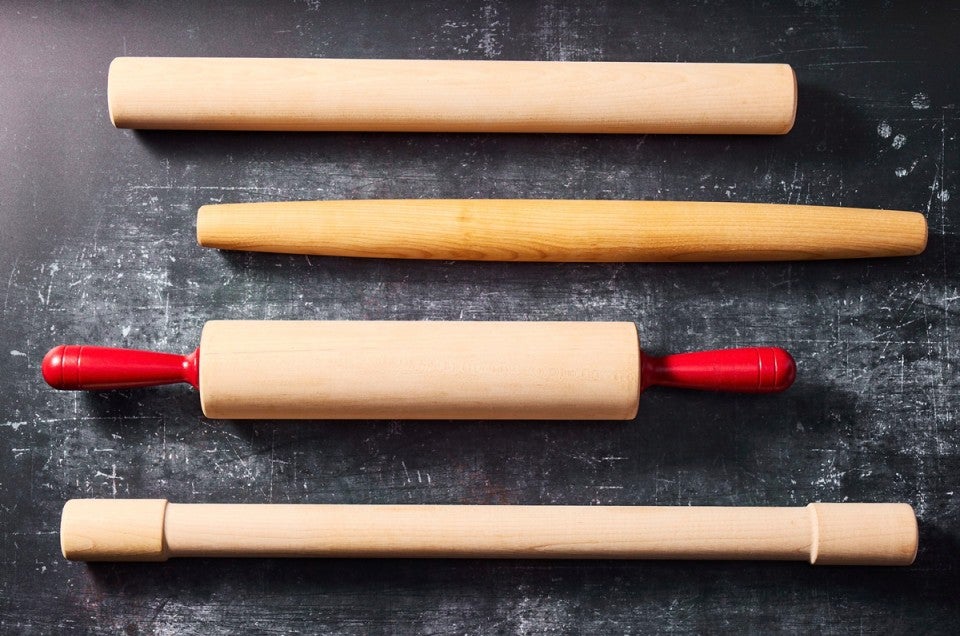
(97, 245)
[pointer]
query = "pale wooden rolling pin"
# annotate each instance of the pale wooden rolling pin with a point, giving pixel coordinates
(274, 369)
(155, 530)
(450, 96)
(561, 230)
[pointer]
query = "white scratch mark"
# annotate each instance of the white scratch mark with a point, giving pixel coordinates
(14, 352)
(13, 273)
(112, 477)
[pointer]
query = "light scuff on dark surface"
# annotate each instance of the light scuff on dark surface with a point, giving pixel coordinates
(97, 231)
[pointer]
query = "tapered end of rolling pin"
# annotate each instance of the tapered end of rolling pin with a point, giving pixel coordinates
(113, 530)
(863, 534)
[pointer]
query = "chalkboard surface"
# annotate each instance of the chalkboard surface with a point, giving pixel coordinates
(97, 246)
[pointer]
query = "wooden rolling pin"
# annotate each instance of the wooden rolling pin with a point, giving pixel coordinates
(451, 96)
(155, 530)
(419, 370)
(561, 230)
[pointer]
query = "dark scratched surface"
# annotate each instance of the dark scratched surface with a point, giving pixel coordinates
(97, 246)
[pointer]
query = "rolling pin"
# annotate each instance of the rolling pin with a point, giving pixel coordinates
(155, 530)
(561, 230)
(419, 370)
(450, 96)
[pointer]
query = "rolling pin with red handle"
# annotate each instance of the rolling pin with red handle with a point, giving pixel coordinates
(450, 96)
(561, 230)
(155, 530)
(419, 370)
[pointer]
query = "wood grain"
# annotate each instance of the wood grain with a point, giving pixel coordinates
(561, 230)
(836, 534)
(419, 370)
(451, 96)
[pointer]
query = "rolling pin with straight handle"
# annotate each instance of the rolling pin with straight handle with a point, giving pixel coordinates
(451, 96)
(561, 230)
(155, 530)
(419, 370)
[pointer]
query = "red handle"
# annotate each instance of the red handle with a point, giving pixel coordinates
(750, 370)
(81, 367)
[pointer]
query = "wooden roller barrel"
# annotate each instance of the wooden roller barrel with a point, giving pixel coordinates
(451, 96)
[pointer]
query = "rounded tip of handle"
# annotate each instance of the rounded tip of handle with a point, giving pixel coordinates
(58, 366)
(778, 370)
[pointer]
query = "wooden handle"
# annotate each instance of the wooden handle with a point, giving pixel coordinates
(561, 230)
(450, 96)
(821, 533)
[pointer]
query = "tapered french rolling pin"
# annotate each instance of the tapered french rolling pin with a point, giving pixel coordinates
(155, 530)
(419, 370)
(561, 230)
(450, 96)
